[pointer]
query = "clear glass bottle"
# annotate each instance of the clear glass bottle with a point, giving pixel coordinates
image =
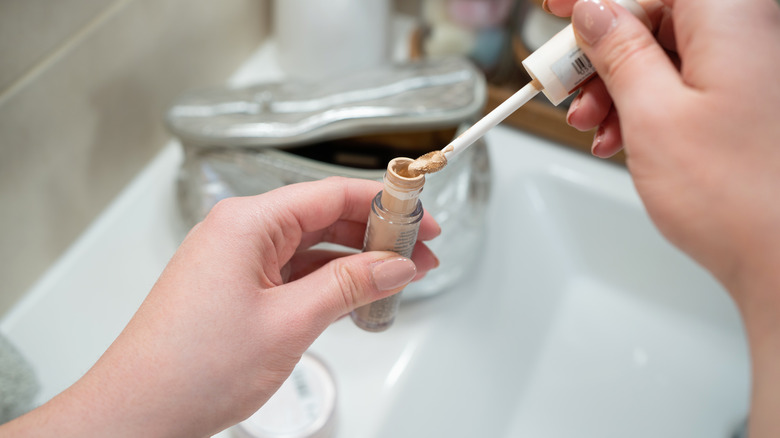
(393, 223)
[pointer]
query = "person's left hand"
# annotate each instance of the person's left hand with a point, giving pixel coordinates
(239, 303)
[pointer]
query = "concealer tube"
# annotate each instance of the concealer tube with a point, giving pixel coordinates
(560, 67)
(393, 223)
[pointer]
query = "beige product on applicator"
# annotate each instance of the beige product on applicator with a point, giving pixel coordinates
(557, 69)
(393, 223)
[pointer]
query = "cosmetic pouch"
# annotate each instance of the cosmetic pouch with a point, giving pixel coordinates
(250, 140)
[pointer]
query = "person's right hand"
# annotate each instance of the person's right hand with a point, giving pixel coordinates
(697, 108)
(702, 140)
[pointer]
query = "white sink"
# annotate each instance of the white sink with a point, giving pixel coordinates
(580, 320)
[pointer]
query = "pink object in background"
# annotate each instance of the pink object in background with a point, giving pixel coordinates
(479, 14)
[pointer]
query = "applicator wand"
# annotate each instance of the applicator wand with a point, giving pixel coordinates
(557, 69)
(436, 160)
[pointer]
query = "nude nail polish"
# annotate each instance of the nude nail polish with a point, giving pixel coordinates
(560, 66)
(392, 274)
(575, 104)
(546, 7)
(595, 149)
(592, 19)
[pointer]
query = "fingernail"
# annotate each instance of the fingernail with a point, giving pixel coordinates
(546, 7)
(573, 108)
(393, 273)
(595, 149)
(592, 19)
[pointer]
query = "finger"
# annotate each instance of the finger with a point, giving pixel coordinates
(590, 107)
(319, 204)
(344, 284)
(608, 140)
(429, 228)
(277, 220)
(561, 8)
(305, 262)
(346, 233)
(424, 259)
(633, 66)
(351, 233)
(665, 30)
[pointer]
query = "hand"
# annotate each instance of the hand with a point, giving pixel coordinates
(701, 141)
(239, 303)
(696, 108)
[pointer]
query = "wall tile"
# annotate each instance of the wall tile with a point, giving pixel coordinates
(78, 131)
(31, 29)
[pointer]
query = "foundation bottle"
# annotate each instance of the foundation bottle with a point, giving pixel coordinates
(393, 223)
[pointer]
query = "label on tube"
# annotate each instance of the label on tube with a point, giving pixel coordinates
(573, 69)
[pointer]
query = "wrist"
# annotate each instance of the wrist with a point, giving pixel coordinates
(764, 343)
(755, 287)
(115, 398)
(757, 294)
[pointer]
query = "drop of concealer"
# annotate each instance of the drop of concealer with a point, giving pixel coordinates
(428, 163)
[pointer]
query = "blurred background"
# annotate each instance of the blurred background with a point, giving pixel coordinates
(84, 86)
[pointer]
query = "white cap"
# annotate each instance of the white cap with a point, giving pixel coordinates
(303, 407)
(560, 66)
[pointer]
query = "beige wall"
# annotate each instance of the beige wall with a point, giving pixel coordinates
(83, 88)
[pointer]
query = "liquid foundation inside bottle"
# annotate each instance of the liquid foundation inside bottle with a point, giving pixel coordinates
(393, 223)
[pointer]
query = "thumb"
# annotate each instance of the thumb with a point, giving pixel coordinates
(346, 283)
(624, 52)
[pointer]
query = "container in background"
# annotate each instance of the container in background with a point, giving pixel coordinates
(303, 407)
(320, 39)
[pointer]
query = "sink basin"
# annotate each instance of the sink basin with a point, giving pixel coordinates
(580, 320)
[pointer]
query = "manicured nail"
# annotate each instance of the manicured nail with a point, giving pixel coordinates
(546, 7)
(595, 149)
(592, 20)
(393, 273)
(573, 108)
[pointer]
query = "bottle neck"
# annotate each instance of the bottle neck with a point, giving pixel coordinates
(401, 192)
